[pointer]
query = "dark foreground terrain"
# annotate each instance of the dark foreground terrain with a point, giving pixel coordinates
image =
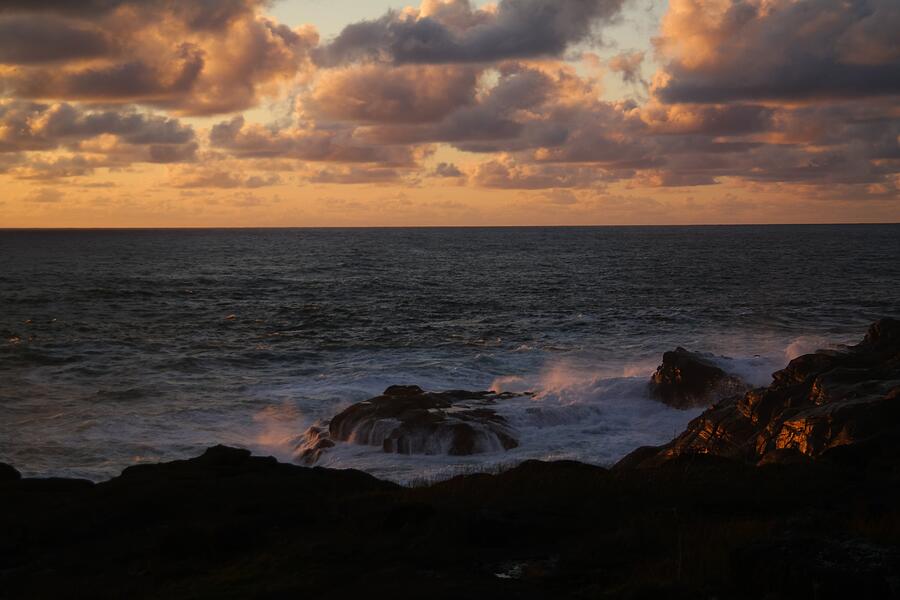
(788, 492)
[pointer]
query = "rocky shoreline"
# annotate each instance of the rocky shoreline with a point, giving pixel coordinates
(790, 491)
(838, 402)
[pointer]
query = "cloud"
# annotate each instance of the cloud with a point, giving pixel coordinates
(560, 197)
(455, 32)
(197, 58)
(507, 174)
(512, 114)
(196, 14)
(32, 126)
(798, 50)
(346, 175)
(798, 96)
(707, 119)
(25, 40)
(92, 138)
(45, 195)
(384, 94)
(628, 65)
(315, 144)
(446, 170)
(9, 160)
(219, 177)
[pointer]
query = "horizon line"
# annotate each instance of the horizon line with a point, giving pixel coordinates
(310, 227)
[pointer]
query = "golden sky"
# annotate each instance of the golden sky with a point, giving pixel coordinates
(167, 113)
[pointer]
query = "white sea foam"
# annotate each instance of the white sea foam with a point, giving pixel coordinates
(592, 415)
(573, 414)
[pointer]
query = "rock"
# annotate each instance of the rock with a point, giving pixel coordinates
(637, 457)
(819, 402)
(232, 525)
(8, 473)
(409, 420)
(314, 442)
(784, 456)
(223, 456)
(688, 379)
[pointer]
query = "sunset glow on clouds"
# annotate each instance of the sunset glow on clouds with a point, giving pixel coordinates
(211, 112)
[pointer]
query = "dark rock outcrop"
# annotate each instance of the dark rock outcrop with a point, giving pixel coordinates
(819, 403)
(409, 420)
(688, 379)
(231, 525)
(8, 473)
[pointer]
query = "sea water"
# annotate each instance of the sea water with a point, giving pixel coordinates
(130, 346)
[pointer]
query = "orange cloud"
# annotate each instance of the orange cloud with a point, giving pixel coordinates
(188, 57)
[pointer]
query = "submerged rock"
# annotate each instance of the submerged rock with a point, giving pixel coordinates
(409, 420)
(818, 404)
(688, 379)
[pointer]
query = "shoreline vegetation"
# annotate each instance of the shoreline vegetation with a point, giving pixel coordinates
(790, 491)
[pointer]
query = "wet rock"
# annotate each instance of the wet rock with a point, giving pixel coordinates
(409, 420)
(688, 379)
(8, 473)
(314, 442)
(819, 402)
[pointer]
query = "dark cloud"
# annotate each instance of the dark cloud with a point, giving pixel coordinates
(93, 138)
(199, 57)
(801, 50)
(335, 144)
(494, 120)
(165, 154)
(384, 94)
(135, 80)
(446, 170)
(82, 7)
(518, 29)
(25, 40)
(606, 134)
(197, 14)
(33, 126)
(708, 119)
(507, 174)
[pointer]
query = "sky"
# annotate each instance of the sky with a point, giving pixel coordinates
(249, 113)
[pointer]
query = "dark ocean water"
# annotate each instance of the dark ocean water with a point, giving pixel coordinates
(118, 347)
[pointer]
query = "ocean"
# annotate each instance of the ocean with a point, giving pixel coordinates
(125, 346)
